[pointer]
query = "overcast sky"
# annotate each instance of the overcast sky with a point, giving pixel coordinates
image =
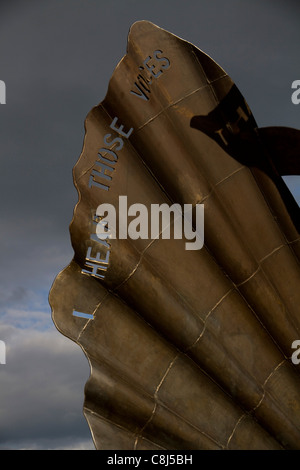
(56, 58)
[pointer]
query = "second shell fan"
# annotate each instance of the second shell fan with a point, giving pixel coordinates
(189, 349)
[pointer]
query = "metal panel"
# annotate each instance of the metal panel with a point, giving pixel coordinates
(189, 349)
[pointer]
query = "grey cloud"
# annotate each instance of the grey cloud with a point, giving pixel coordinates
(41, 388)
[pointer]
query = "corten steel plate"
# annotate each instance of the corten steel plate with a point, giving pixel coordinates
(189, 349)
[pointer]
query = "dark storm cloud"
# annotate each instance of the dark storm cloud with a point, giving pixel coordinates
(56, 58)
(39, 378)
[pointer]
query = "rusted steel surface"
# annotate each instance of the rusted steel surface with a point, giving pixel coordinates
(189, 349)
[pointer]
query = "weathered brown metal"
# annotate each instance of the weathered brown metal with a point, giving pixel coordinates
(188, 349)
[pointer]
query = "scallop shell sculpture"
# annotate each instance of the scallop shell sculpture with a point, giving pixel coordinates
(188, 349)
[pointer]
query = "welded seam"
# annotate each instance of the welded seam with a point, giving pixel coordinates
(174, 103)
(207, 317)
(140, 434)
(265, 383)
(248, 278)
(272, 252)
(94, 313)
(259, 403)
(243, 416)
(165, 375)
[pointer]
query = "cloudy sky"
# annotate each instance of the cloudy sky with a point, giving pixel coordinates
(56, 58)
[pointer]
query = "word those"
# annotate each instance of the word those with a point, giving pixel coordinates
(107, 157)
